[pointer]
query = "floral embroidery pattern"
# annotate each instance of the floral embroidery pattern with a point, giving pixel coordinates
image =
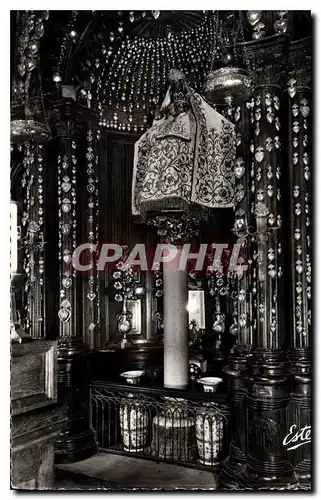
(185, 160)
(164, 171)
(214, 179)
(176, 126)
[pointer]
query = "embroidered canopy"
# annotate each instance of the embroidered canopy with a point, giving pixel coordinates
(186, 159)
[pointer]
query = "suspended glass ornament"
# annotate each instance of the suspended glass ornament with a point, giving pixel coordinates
(39, 30)
(31, 64)
(219, 318)
(234, 328)
(21, 69)
(33, 48)
(45, 15)
(254, 16)
(56, 77)
(258, 31)
(281, 25)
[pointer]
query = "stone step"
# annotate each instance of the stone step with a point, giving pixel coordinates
(122, 472)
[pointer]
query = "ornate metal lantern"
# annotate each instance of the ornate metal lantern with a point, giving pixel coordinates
(28, 122)
(28, 129)
(227, 85)
(231, 83)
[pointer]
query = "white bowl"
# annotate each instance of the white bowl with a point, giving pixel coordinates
(132, 377)
(210, 384)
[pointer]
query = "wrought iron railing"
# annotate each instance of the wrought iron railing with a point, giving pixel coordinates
(188, 428)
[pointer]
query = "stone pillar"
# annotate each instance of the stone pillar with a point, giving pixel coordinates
(268, 382)
(234, 464)
(175, 426)
(176, 331)
(300, 248)
(77, 441)
(175, 229)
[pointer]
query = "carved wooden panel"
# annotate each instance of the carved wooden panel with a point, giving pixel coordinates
(32, 447)
(33, 375)
(27, 377)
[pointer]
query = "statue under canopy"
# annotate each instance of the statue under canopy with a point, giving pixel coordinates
(185, 161)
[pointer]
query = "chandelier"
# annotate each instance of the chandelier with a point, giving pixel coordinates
(28, 128)
(229, 81)
(28, 119)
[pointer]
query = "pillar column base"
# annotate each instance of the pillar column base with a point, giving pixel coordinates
(265, 476)
(268, 396)
(300, 414)
(303, 472)
(234, 465)
(76, 442)
(75, 447)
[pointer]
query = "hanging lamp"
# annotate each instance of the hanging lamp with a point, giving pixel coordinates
(30, 129)
(229, 84)
(28, 117)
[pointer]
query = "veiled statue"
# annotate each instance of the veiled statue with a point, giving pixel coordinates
(185, 161)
